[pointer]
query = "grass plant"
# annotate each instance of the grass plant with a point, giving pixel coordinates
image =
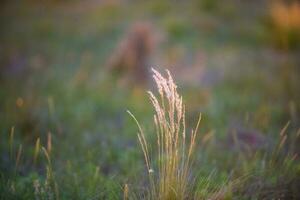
(171, 178)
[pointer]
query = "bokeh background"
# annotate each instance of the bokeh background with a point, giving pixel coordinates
(70, 69)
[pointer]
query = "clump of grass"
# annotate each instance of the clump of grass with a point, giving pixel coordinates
(171, 179)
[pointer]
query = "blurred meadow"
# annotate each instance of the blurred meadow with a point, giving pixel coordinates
(70, 70)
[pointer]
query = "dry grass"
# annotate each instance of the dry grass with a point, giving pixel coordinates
(286, 16)
(171, 177)
(285, 20)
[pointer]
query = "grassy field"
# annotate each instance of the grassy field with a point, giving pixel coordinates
(65, 129)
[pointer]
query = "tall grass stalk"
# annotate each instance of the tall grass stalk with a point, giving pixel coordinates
(18, 158)
(126, 191)
(36, 150)
(49, 143)
(11, 141)
(50, 182)
(174, 147)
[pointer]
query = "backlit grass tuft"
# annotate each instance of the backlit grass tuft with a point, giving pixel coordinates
(171, 178)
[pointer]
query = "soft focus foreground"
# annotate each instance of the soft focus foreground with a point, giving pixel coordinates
(69, 70)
